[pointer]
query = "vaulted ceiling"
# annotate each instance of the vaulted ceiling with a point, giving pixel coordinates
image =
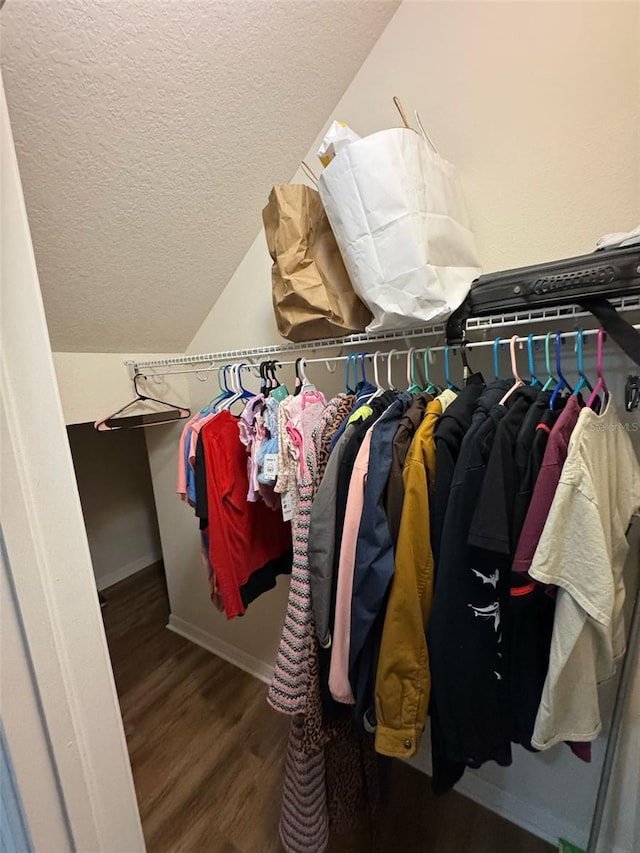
(148, 135)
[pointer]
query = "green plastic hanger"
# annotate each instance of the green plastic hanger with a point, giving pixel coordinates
(430, 387)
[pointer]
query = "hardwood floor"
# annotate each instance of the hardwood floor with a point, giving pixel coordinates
(207, 752)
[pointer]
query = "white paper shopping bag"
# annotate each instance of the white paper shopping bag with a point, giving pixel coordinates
(398, 214)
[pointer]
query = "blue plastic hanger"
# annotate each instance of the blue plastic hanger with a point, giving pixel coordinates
(582, 381)
(562, 382)
(363, 371)
(532, 367)
(447, 372)
(347, 374)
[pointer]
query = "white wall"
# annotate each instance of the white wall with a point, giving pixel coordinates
(537, 104)
(94, 384)
(114, 481)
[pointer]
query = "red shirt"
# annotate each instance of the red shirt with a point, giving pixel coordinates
(243, 536)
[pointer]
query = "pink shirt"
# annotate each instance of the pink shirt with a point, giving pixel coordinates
(182, 471)
(339, 668)
(195, 433)
(304, 413)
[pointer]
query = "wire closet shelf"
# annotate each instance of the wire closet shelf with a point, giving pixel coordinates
(489, 323)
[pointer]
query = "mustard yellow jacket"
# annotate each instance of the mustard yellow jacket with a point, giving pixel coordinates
(403, 681)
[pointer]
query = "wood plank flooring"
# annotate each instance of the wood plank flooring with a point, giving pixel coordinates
(207, 752)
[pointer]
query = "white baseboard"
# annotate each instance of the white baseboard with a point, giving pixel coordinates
(258, 668)
(508, 805)
(125, 571)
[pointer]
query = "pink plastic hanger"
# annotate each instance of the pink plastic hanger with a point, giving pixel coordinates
(601, 384)
(514, 369)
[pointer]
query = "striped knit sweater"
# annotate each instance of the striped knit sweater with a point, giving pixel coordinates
(304, 821)
(288, 689)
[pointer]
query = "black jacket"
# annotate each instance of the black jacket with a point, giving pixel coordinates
(448, 633)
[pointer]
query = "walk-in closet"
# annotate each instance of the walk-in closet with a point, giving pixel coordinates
(320, 359)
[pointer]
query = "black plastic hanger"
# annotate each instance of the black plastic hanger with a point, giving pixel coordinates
(173, 413)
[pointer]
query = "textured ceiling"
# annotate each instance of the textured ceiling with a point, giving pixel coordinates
(148, 135)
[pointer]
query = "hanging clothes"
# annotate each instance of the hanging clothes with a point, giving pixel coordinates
(582, 551)
(460, 594)
(244, 538)
(403, 681)
(373, 568)
(394, 492)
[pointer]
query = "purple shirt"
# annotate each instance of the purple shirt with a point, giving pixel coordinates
(546, 484)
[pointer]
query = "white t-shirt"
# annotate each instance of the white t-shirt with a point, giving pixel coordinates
(582, 551)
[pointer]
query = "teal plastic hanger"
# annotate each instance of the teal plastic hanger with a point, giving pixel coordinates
(496, 354)
(430, 387)
(447, 372)
(551, 380)
(532, 367)
(413, 387)
(223, 391)
(582, 381)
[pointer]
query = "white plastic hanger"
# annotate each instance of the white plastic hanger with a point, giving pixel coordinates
(514, 369)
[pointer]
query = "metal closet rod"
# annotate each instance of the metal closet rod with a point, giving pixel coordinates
(470, 346)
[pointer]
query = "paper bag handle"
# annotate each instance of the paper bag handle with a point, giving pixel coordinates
(403, 115)
(405, 122)
(308, 172)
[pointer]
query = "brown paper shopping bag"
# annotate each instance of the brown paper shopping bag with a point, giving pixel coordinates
(312, 294)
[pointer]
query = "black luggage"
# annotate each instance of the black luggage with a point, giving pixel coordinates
(588, 280)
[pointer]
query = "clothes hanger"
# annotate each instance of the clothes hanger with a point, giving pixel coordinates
(297, 385)
(390, 384)
(280, 391)
(307, 385)
(562, 383)
(363, 370)
(447, 373)
(532, 366)
(347, 374)
(519, 383)
(583, 380)
(551, 380)
(466, 367)
(227, 371)
(213, 402)
(496, 361)
(241, 393)
(376, 377)
(601, 384)
(173, 413)
(430, 387)
(412, 385)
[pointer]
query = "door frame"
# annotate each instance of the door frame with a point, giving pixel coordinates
(49, 561)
